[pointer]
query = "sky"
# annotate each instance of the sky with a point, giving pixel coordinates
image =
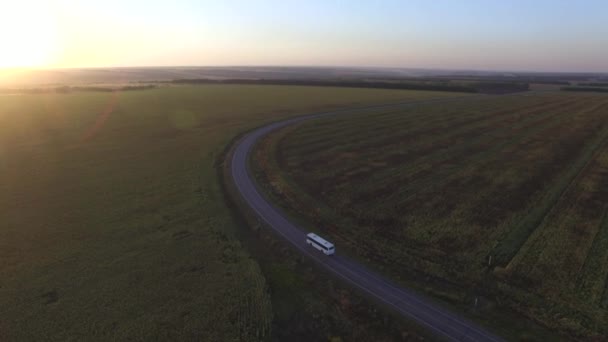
(515, 35)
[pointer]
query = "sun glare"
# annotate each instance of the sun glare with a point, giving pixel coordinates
(27, 36)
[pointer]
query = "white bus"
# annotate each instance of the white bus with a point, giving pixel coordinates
(319, 243)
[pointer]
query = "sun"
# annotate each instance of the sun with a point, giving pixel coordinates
(27, 35)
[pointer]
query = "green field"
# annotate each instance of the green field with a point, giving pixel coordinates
(113, 224)
(502, 197)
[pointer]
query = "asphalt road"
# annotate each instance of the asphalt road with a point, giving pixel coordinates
(443, 323)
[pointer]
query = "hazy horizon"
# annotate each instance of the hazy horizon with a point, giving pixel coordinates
(303, 66)
(519, 36)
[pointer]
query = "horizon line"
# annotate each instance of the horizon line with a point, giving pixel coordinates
(51, 68)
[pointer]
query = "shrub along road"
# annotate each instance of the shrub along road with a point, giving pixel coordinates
(436, 319)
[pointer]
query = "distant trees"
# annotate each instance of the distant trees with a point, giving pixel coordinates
(594, 84)
(68, 89)
(336, 83)
(438, 85)
(501, 87)
(589, 89)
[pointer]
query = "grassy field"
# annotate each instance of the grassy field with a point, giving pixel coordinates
(113, 225)
(498, 197)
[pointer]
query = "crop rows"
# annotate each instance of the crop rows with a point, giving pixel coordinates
(446, 189)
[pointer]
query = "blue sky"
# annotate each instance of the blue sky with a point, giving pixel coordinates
(504, 35)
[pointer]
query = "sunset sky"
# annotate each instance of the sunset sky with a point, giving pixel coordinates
(470, 34)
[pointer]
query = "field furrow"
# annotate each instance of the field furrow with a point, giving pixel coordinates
(593, 277)
(418, 158)
(413, 128)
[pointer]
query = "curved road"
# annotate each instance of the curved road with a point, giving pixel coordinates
(442, 322)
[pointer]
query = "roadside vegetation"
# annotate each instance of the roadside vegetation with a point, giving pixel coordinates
(113, 224)
(501, 199)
